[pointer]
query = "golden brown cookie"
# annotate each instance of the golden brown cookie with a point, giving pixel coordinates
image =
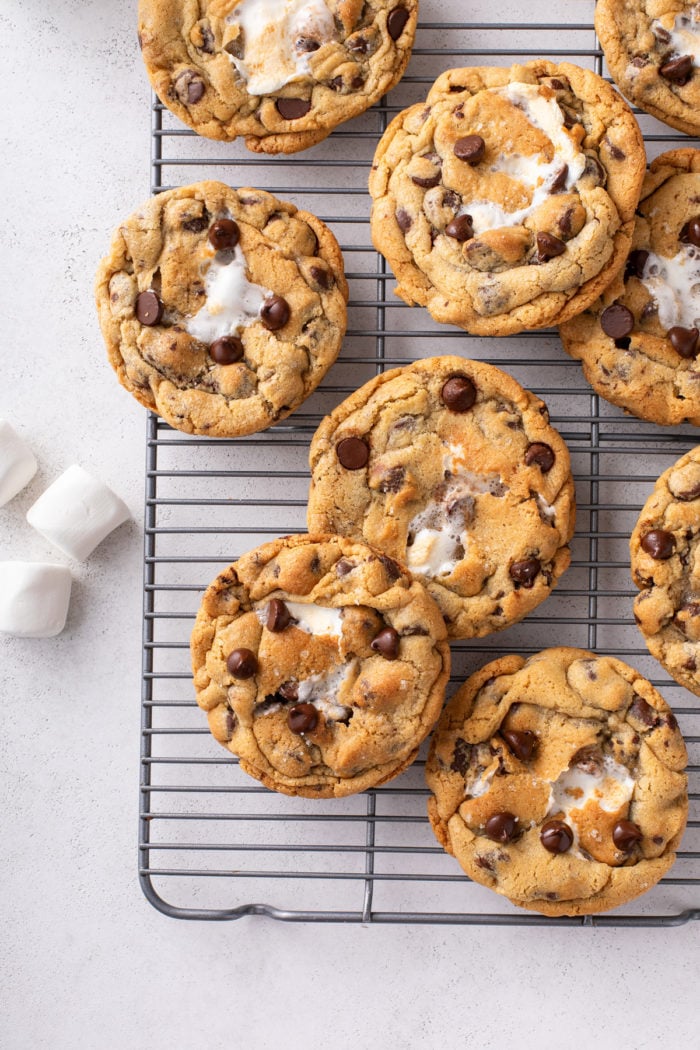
(639, 342)
(665, 553)
(222, 309)
(452, 468)
(506, 200)
(280, 73)
(559, 781)
(321, 663)
(652, 48)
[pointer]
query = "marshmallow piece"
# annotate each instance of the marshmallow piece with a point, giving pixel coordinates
(77, 512)
(17, 463)
(34, 598)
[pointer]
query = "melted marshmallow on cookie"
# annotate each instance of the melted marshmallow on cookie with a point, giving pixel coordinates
(232, 302)
(535, 174)
(684, 35)
(316, 619)
(278, 38)
(610, 786)
(675, 286)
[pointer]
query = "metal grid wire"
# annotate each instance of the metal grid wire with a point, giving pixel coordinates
(215, 844)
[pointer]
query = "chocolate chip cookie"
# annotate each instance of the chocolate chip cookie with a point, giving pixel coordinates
(559, 781)
(221, 309)
(281, 73)
(506, 200)
(321, 663)
(652, 48)
(452, 468)
(639, 342)
(665, 551)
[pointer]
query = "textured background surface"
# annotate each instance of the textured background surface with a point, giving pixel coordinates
(85, 960)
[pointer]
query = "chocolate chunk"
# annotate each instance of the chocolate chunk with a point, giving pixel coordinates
(196, 225)
(684, 341)
(293, 108)
(391, 567)
(289, 691)
(227, 350)
(540, 454)
(626, 835)
(690, 234)
(522, 742)
(231, 723)
(306, 44)
(357, 43)
(387, 643)
(525, 572)
(460, 229)
(502, 827)
(189, 87)
(659, 544)
(148, 308)
(242, 663)
(617, 321)
(392, 480)
(678, 70)
(275, 313)
(471, 149)
(352, 453)
(458, 394)
(556, 836)
(236, 47)
(461, 756)
(343, 567)
(302, 718)
(595, 170)
(615, 151)
(644, 712)
(278, 616)
(636, 261)
(404, 220)
(687, 495)
(549, 247)
(224, 234)
(662, 35)
(396, 22)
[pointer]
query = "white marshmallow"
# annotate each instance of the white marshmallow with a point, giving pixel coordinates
(17, 463)
(34, 598)
(77, 512)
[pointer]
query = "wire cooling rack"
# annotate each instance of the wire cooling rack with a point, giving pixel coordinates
(214, 844)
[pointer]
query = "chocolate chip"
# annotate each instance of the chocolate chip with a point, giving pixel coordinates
(148, 308)
(224, 234)
(458, 394)
(352, 453)
(684, 341)
(644, 712)
(404, 220)
(322, 277)
(236, 47)
(227, 350)
(636, 261)
(392, 480)
(659, 544)
(387, 643)
(196, 225)
(460, 229)
(471, 149)
(396, 22)
(293, 108)
(549, 247)
(559, 180)
(540, 454)
(289, 691)
(595, 170)
(617, 321)
(626, 835)
(189, 87)
(302, 718)
(343, 567)
(525, 572)
(391, 567)
(687, 495)
(690, 234)
(306, 44)
(662, 35)
(556, 836)
(522, 742)
(461, 756)
(231, 723)
(678, 70)
(427, 184)
(615, 151)
(242, 663)
(357, 43)
(658, 840)
(502, 827)
(278, 616)
(275, 313)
